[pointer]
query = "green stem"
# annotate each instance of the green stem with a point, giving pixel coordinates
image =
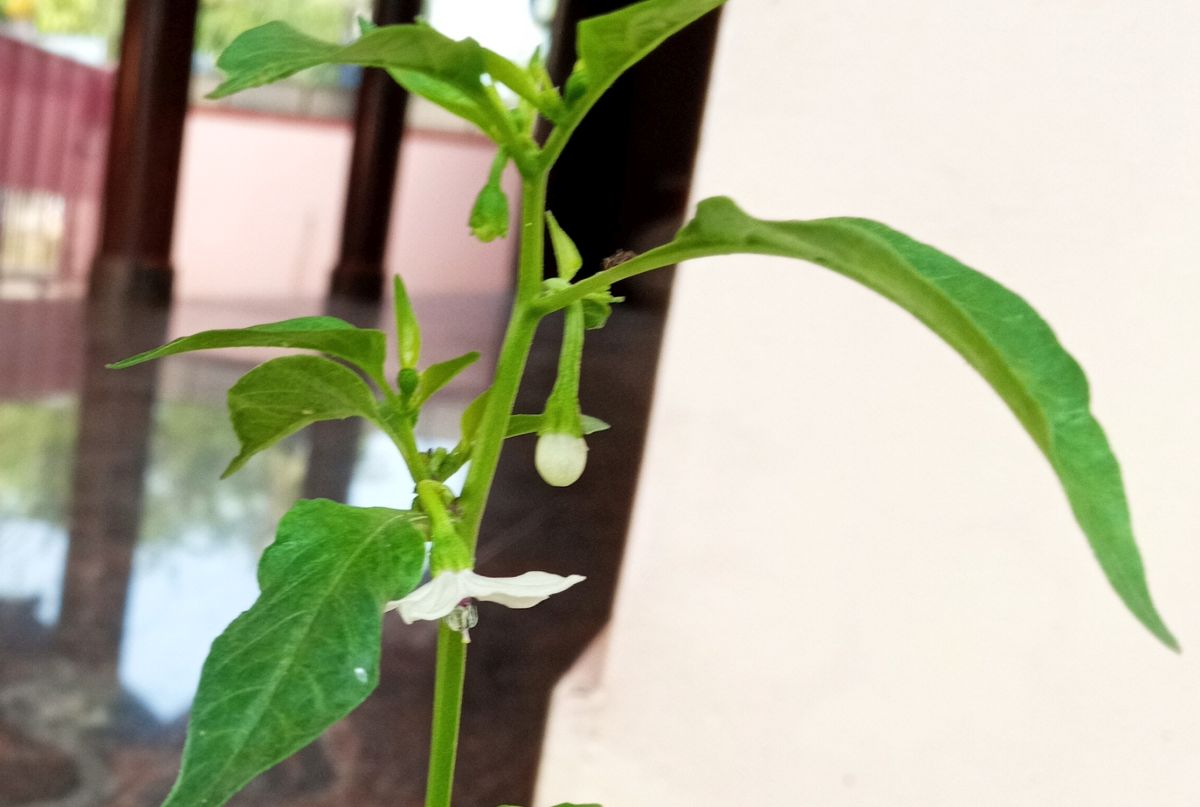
(514, 352)
(658, 258)
(405, 441)
(489, 439)
(447, 714)
(562, 407)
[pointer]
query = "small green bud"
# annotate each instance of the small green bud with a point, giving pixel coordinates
(560, 458)
(489, 217)
(408, 381)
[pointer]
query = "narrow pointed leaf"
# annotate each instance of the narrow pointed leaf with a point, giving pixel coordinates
(472, 416)
(362, 347)
(284, 395)
(996, 331)
(436, 376)
(531, 424)
(566, 254)
(408, 330)
(306, 653)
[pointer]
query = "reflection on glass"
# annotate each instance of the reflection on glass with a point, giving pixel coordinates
(200, 538)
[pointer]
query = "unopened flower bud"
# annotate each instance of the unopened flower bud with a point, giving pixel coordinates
(560, 458)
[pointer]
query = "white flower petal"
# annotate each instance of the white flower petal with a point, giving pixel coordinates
(523, 591)
(442, 594)
(434, 599)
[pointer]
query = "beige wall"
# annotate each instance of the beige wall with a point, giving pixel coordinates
(852, 580)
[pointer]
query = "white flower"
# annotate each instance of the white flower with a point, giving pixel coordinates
(560, 458)
(442, 594)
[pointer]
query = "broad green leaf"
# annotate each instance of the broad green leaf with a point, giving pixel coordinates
(610, 44)
(306, 653)
(284, 395)
(363, 347)
(408, 330)
(996, 331)
(436, 376)
(530, 424)
(566, 254)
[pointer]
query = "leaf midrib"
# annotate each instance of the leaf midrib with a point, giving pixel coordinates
(282, 670)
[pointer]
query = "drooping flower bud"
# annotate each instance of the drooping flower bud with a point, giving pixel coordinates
(560, 458)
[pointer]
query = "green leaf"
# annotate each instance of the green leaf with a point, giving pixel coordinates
(531, 424)
(306, 653)
(436, 376)
(447, 72)
(276, 50)
(566, 254)
(472, 416)
(408, 330)
(365, 348)
(610, 44)
(284, 395)
(996, 331)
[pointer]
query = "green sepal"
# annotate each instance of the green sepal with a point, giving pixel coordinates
(408, 330)
(566, 254)
(532, 424)
(436, 376)
(597, 308)
(996, 331)
(284, 395)
(365, 348)
(306, 653)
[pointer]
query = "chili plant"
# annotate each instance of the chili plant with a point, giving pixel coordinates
(306, 653)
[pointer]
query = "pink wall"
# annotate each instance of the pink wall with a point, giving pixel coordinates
(261, 199)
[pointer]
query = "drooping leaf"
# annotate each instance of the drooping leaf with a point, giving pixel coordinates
(531, 424)
(306, 653)
(427, 63)
(284, 395)
(996, 331)
(436, 376)
(362, 347)
(610, 44)
(276, 50)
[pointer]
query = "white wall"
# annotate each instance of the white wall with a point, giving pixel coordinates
(852, 579)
